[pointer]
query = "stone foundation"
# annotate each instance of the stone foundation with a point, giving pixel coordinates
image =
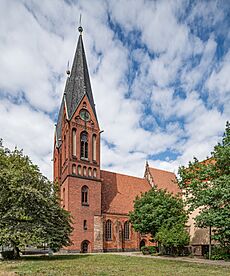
(98, 234)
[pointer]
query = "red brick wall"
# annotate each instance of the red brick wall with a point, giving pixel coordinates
(73, 182)
(118, 243)
(64, 154)
(80, 213)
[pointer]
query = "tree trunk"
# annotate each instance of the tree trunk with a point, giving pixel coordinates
(16, 251)
(162, 250)
(210, 243)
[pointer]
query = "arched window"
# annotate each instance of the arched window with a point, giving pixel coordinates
(90, 172)
(95, 173)
(73, 169)
(94, 148)
(79, 169)
(84, 145)
(84, 171)
(108, 230)
(84, 195)
(74, 143)
(126, 230)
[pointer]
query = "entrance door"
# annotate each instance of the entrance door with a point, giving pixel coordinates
(84, 246)
(142, 243)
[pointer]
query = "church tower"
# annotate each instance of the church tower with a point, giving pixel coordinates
(77, 156)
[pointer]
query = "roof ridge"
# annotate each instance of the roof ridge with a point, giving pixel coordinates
(161, 170)
(124, 174)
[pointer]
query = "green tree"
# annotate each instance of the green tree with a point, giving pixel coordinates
(30, 213)
(207, 186)
(174, 237)
(157, 212)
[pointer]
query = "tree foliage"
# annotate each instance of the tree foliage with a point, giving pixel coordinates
(30, 213)
(158, 212)
(175, 236)
(207, 186)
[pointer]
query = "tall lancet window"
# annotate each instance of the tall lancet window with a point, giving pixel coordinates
(94, 147)
(64, 147)
(74, 142)
(108, 230)
(126, 230)
(84, 195)
(84, 145)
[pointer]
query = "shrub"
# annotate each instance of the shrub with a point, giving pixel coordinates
(144, 250)
(176, 250)
(8, 255)
(149, 250)
(220, 253)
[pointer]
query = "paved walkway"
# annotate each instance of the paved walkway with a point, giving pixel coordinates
(182, 259)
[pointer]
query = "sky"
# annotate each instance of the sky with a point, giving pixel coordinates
(160, 75)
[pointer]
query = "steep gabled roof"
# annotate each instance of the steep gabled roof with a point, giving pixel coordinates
(164, 180)
(119, 191)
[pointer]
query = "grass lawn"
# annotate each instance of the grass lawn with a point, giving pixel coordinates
(105, 264)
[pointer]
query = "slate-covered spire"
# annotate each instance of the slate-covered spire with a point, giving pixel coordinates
(78, 83)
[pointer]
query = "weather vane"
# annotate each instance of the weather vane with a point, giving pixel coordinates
(80, 29)
(67, 70)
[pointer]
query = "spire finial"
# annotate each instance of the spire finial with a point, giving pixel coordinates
(67, 69)
(80, 29)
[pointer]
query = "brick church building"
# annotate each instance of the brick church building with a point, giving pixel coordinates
(98, 200)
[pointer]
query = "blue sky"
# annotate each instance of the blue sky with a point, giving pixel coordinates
(159, 73)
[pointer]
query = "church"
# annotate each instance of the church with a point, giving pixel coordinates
(99, 200)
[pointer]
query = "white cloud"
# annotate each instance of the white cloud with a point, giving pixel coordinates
(28, 129)
(38, 38)
(218, 84)
(192, 77)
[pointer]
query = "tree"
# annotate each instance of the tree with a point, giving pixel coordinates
(30, 213)
(157, 212)
(173, 237)
(207, 186)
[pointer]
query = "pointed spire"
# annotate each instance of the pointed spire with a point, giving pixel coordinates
(77, 86)
(78, 83)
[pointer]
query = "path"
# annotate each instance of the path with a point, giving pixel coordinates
(182, 259)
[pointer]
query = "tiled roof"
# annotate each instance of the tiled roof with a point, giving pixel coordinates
(119, 191)
(164, 180)
(77, 85)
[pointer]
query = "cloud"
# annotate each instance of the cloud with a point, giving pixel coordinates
(193, 77)
(159, 73)
(28, 129)
(218, 84)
